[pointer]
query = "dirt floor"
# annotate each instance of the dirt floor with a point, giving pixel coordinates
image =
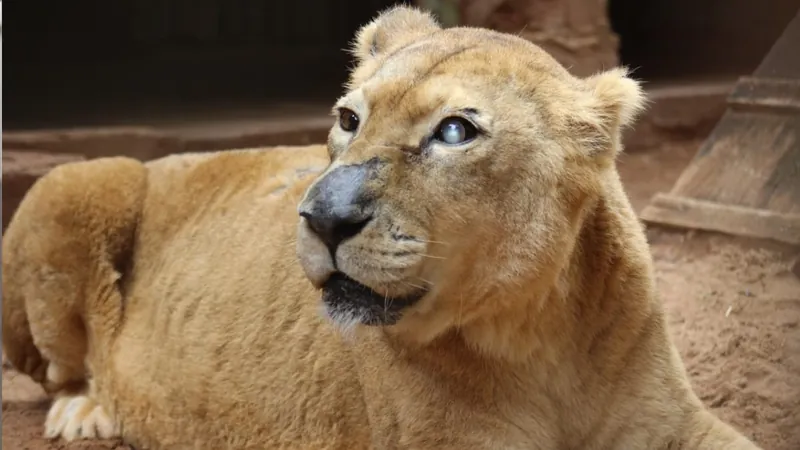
(734, 311)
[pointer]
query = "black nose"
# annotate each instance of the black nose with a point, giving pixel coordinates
(339, 205)
(335, 228)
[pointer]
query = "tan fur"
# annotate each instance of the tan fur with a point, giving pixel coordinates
(185, 287)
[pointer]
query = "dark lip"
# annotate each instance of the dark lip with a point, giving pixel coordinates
(345, 295)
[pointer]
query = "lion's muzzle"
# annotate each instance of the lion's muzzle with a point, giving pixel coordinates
(341, 206)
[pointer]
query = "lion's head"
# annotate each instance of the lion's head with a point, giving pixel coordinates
(461, 164)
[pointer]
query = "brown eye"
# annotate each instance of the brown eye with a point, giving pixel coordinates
(348, 120)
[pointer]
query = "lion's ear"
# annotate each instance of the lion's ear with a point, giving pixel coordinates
(619, 98)
(392, 29)
(616, 101)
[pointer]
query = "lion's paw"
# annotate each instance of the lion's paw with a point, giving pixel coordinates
(79, 417)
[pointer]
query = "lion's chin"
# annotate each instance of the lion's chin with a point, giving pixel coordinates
(349, 303)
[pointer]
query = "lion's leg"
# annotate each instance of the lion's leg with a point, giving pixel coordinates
(27, 294)
(57, 329)
(64, 253)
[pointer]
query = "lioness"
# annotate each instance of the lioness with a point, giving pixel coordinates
(483, 279)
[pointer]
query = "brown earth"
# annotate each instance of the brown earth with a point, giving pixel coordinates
(733, 306)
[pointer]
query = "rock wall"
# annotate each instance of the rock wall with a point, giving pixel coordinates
(575, 32)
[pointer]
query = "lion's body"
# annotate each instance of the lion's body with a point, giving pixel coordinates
(213, 255)
(175, 285)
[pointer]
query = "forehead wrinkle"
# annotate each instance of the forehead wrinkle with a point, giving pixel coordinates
(420, 78)
(432, 41)
(419, 46)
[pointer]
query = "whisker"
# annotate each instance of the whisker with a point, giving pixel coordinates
(431, 256)
(421, 288)
(391, 271)
(429, 283)
(429, 241)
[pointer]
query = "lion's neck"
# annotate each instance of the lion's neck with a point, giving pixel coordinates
(575, 343)
(605, 281)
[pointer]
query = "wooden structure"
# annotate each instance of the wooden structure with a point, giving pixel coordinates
(745, 179)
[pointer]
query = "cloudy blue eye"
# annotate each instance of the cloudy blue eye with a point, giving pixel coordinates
(455, 130)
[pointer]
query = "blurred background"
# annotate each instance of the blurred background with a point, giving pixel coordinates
(712, 167)
(96, 62)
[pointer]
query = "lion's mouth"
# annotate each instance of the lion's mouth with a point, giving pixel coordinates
(347, 300)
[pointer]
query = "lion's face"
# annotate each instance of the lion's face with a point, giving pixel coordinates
(461, 160)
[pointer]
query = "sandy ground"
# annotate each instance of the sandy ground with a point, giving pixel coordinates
(733, 306)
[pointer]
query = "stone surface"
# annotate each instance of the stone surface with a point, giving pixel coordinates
(137, 142)
(151, 138)
(576, 32)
